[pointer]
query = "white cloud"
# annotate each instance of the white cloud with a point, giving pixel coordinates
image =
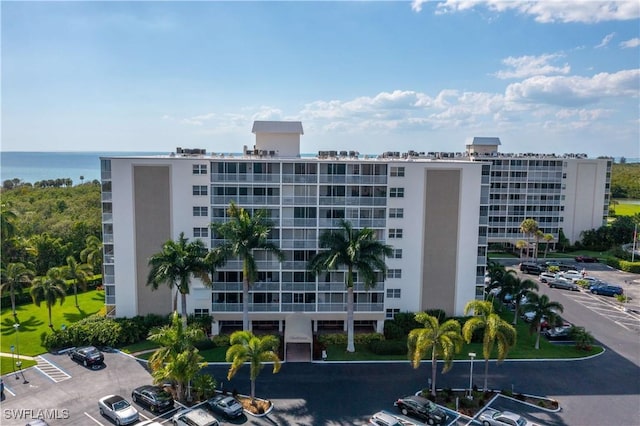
(549, 11)
(606, 40)
(574, 90)
(628, 44)
(527, 66)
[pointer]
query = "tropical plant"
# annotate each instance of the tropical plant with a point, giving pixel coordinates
(529, 227)
(521, 245)
(246, 347)
(50, 289)
(496, 332)
(175, 264)
(548, 238)
(538, 235)
(243, 235)
(442, 340)
(78, 273)
(520, 289)
(503, 285)
(356, 250)
(204, 386)
(582, 338)
(541, 307)
(177, 359)
(13, 279)
(92, 253)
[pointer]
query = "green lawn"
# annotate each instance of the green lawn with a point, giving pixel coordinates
(7, 364)
(625, 209)
(34, 321)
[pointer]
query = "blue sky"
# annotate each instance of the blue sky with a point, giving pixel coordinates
(552, 76)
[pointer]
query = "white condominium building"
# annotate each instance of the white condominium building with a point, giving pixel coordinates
(438, 211)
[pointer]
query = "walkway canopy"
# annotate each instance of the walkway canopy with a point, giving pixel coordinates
(299, 333)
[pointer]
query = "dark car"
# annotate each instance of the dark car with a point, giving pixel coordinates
(154, 397)
(226, 405)
(87, 355)
(421, 408)
(531, 268)
(563, 284)
(586, 259)
(606, 289)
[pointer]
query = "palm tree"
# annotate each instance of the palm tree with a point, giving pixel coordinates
(521, 245)
(7, 221)
(542, 307)
(520, 288)
(174, 266)
(528, 227)
(547, 239)
(444, 340)
(496, 332)
(503, 284)
(538, 236)
(243, 235)
(357, 250)
(79, 273)
(177, 359)
(14, 278)
(245, 347)
(49, 289)
(92, 253)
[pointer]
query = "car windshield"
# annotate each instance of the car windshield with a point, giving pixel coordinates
(163, 396)
(120, 405)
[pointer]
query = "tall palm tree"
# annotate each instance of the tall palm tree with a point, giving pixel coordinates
(243, 235)
(7, 221)
(356, 250)
(177, 359)
(503, 284)
(14, 278)
(175, 264)
(50, 289)
(443, 340)
(519, 289)
(538, 235)
(92, 253)
(79, 273)
(528, 227)
(245, 347)
(542, 307)
(547, 239)
(521, 245)
(497, 332)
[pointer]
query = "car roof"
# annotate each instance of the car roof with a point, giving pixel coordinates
(386, 417)
(510, 415)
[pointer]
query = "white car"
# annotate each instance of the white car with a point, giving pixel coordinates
(571, 275)
(490, 417)
(197, 417)
(382, 418)
(545, 277)
(118, 409)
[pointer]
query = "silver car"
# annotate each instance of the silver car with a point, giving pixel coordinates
(226, 405)
(563, 284)
(118, 409)
(490, 417)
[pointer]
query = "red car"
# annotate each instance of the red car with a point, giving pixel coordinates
(586, 259)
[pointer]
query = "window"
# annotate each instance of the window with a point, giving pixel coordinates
(200, 313)
(397, 171)
(396, 192)
(394, 273)
(199, 169)
(396, 213)
(395, 233)
(391, 313)
(200, 211)
(200, 232)
(200, 190)
(396, 254)
(393, 293)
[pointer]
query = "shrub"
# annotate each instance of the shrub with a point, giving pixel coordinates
(366, 338)
(204, 386)
(204, 344)
(393, 331)
(221, 340)
(333, 339)
(388, 347)
(633, 267)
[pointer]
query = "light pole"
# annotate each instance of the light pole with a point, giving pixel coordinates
(472, 355)
(16, 326)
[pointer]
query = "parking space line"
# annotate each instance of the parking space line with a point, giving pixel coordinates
(92, 418)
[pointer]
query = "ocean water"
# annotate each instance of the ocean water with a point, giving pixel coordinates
(35, 166)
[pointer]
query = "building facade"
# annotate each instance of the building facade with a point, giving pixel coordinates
(438, 211)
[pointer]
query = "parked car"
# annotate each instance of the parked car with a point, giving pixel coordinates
(197, 417)
(586, 259)
(590, 280)
(571, 274)
(382, 418)
(545, 277)
(87, 356)
(564, 284)
(558, 333)
(118, 409)
(491, 417)
(560, 265)
(531, 268)
(226, 405)
(605, 289)
(154, 397)
(421, 408)
(544, 324)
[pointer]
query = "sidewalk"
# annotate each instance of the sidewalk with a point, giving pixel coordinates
(9, 355)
